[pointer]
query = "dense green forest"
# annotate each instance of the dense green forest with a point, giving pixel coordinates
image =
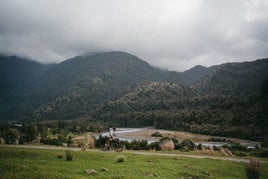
(122, 90)
(215, 115)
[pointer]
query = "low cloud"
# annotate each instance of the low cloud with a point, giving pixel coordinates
(174, 35)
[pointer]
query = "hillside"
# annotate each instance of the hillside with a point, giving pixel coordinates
(236, 79)
(15, 75)
(16, 72)
(195, 74)
(222, 103)
(75, 87)
(123, 90)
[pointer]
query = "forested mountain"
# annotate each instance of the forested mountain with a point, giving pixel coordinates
(229, 101)
(237, 79)
(195, 74)
(73, 88)
(16, 74)
(123, 90)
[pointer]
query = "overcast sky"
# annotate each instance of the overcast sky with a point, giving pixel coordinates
(171, 34)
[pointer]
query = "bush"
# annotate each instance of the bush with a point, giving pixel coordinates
(101, 141)
(69, 155)
(186, 145)
(167, 145)
(234, 146)
(259, 153)
(91, 142)
(137, 145)
(199, 146)
(253, 169)
(240, 153)
(216, 148)
(155, 146)
(127, 145)
(157, 134)
(120, 159)
(175, 141)
(60, 155)
(264, 153)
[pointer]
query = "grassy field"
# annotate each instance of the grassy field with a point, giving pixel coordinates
(40, 163)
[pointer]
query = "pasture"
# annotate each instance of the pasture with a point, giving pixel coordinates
(41, 163)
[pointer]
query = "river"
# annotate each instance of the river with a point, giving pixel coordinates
(130, 134)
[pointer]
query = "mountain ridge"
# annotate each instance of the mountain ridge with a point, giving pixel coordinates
(123, 90)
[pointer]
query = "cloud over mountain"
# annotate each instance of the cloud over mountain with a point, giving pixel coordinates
(169, 34)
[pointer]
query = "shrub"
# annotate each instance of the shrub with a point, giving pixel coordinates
(228, 152)
(143, 144)
(155, 146)
(91, 142)
(186, 145)
(60, 155)
(253, 169)
(157, 134)
(259, 153)
(223, 152)
(137, 145)
(127, 144)
(212, 151)
(81, 144)
(69, 155)
(199, 146)
(167, 144)
(264, 153)
(216, 148)
(234, 146)
(101, 141)
(240, 153)
(120, 159)
(204, 150)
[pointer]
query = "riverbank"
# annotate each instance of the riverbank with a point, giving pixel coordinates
(130, 134)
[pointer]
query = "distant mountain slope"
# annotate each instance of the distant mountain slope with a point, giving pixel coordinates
(15, 75)
(188, 77)
(121, 89)
(112, 72)
(195, 74)
(75, 87)
(223, 103)
(148, 96)
(17, 72)
(139, 106)
(155, 90)
(235, 78)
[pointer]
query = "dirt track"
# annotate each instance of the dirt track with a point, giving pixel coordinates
(134, 152)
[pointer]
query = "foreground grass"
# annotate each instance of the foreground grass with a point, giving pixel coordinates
(39, 163)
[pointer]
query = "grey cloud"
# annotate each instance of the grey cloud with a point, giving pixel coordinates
(170, 34)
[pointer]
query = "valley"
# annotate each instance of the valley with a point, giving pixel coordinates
(120, 89)
(185, 83)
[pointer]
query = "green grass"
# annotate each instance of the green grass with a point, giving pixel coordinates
(39, 163)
